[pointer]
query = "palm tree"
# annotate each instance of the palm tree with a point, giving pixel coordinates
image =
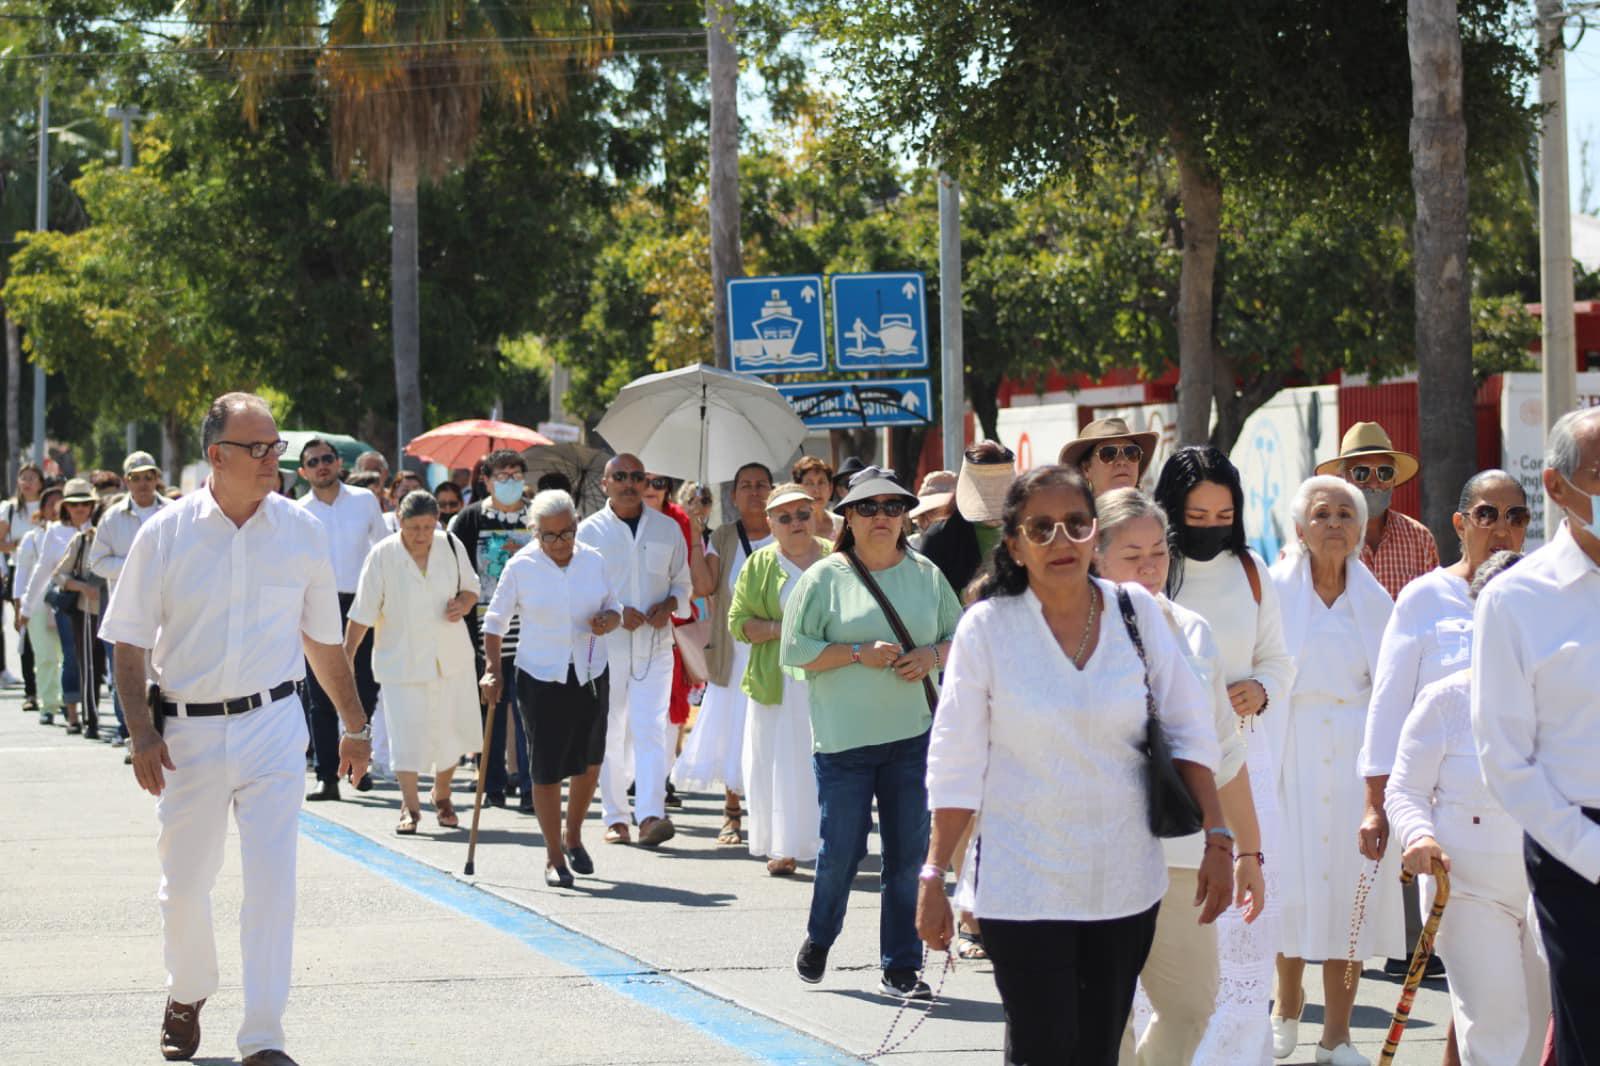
(407, 82)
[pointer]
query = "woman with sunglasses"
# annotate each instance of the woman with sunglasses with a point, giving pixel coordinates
(870, 716)
(76, 516)
(1041, 734)
(448, 496)
(781, 790)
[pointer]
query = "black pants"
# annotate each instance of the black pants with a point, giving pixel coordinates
(1569, 921)
(320, 713)
(1067, 987)
(30, 680)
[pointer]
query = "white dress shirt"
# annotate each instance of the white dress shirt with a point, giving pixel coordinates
(642, 569)
(222, 607)
(1536, 697)
(412, 642)
(1428, 637)
(114, 536)
(53, 544)
(555, 604)
(354, 522)
(1052, 757)
(27, 559)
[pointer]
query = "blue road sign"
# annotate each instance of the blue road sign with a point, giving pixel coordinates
(775, 324)
(880, 321)
(856, 404)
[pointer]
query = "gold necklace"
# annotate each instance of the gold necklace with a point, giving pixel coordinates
(1088, 626)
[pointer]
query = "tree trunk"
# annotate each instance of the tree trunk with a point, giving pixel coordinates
(726, 260)
(13, 399)
(172, 448)
(1446, 424)
(984, 395)
(405, 315)
(1200, 190)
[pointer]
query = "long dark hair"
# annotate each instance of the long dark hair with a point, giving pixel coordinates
(1004, 576)
(1187, 468)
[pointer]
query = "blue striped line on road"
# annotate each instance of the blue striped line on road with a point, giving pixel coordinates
(761, 1038)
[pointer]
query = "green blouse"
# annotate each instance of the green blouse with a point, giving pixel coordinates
(756, 595)
(856, 705)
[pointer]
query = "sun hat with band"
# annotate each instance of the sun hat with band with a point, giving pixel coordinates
(137, 462)
(78, 490)
(1102, 430)
(987, 470)
(1368, 440)
(938, 490)
(874, 481)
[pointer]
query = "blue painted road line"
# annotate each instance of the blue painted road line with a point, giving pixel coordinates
(748, 1033)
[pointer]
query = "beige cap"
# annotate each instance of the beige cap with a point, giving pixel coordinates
(137, 461)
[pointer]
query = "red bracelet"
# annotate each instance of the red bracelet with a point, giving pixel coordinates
(1261, 860)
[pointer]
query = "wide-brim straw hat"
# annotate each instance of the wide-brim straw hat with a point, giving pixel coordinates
(78, 490)
(1101, 430)
(873, 481)
(981, 488)
(938, 490)
(1365, 440)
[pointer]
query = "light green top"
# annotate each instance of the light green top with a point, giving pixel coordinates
(758, 593)
(855, 705)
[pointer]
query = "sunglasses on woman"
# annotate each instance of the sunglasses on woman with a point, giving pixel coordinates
(1363, 474)
(1110, 453)
(890, 508)
(1043, 531)
(1487, 515)
(798, 516)
(661, 484)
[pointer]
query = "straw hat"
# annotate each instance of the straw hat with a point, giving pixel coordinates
(1366, 440)
(1101, 430)
(873, 481)
(938, 490)
(78, 490)
(981, 488)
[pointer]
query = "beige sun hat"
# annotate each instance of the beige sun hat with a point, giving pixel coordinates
(987, 470)
(938, 490)
(78, 490)
(1366, 440)
(1101, 430)
(782, 495)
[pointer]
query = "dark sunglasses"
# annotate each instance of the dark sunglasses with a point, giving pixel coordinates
(564, 536)
(890, 508)
(1363, 474)
(1487, 515)
(801, 516)
(1110, 453)
(327, 459)
(660, 483)
(635, 476)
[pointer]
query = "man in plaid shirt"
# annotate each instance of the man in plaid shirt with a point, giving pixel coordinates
(1398, 548)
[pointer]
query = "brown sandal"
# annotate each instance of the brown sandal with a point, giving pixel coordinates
(446, 812)
(731, 817)
(408, 822)
(781, 867)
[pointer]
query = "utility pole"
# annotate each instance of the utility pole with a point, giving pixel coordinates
(723, 61)
(1558, 357)
(127, 115)
(41, 222)
(952, 384)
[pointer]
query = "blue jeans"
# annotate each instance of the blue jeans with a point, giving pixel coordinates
(847, 781)
(71, 685)
(111, 683)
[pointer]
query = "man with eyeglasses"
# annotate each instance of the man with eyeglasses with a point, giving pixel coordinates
(353, 520)
(647, 565)
(492, 530)
(1398, 549)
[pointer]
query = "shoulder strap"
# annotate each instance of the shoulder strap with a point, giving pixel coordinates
(1129, 619)
(744, 538)
(1252, 574)
(901, 633)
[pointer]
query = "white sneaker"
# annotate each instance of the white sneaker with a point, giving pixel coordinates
(1343, 1055)
(1285, 1036)
(8, 679)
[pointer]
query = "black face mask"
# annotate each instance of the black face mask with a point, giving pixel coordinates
(1204, 543)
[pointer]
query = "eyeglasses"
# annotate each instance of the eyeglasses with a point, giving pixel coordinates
(1487, 515)
(509, 476)
(1110, 453)
(327, 459)
(1043, 531)
(660, 484)
(554, 538)
(259, 449)
(635, 476)
(1363, 474)
(890, 508)
(804, 516)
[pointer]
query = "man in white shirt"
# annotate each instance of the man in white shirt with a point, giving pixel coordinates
(114, 536)
(354, 523)
(227, 595)
(1536, 720)
(647, 564)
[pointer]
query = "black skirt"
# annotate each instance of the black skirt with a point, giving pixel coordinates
(565, 722)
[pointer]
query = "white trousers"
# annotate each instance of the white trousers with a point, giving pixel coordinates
(255, 764)
(637, 720)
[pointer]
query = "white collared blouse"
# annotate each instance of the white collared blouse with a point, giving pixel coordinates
(555, 604)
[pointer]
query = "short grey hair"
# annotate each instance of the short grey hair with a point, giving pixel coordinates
(416, 504)
(551, 503)
(1491, 568)
(224, 407)
(1300, 507)
(1118, 507)
(1561, 452)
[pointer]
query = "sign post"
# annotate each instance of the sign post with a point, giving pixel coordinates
(861, 404)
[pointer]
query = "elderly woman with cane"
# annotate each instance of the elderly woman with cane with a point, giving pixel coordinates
(416, 587)
(1052, 683)
(1334, 909)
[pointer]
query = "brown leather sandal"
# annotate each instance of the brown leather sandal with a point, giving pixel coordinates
(446, 812)
(731, 824)
(408, 822)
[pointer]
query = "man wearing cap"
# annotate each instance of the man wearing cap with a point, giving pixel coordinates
(1110, 455)
(114, 536)
(1398, 548)
(961, 544)
(936, 500)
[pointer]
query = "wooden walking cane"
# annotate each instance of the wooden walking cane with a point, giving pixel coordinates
(483, 777)
(1419, 962)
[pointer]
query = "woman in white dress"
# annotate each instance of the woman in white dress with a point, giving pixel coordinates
(1215, 574)
(1334, 613)
(780, 785)
(416, 587)
(1440, 810)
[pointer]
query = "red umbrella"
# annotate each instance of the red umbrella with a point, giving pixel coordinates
(457, 444)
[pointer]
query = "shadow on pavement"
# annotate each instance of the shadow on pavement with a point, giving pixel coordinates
(955, 1010)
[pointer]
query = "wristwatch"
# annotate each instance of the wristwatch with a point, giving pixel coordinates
(363, 734)
(855, 653)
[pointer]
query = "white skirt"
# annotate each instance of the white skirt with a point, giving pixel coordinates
(713, 754)
(781, 816)
(432, 723)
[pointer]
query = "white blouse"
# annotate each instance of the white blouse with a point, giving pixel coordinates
(1428, 637)
(555, 604)
(1205, 659)
(1052, 758)
(412, 642)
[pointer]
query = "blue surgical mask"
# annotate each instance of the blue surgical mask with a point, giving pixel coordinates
(1593, 525)
(508, 492)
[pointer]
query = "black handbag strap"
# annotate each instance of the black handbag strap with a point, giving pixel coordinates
(744, 538)
(1125, 602)
(901, 633)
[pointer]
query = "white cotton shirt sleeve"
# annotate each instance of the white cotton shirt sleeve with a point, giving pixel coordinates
(1394, 690)
(958, 748)
(1408, 799)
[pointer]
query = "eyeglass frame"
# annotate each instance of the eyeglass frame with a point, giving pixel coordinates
(1129, 453)
(312, 463)
(1511, 515)
(883, 507)
(559, 537)
(802, 517)
(638, 477)
(277, 447)
(1058, 528)
(1374, 473)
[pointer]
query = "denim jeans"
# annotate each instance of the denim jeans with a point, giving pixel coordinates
(847, 781)
(111, 683)
(71, 685)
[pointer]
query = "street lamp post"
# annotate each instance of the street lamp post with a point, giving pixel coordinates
(127, 116)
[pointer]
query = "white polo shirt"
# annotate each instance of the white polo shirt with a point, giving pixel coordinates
(555, 604)
(221, 607)
(354, 522)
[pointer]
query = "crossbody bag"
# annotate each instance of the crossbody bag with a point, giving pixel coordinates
(901, 633)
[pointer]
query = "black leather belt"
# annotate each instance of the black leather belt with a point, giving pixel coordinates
(234, 706)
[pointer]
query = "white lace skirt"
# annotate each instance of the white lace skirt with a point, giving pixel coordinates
(781, 812)
(714, 753)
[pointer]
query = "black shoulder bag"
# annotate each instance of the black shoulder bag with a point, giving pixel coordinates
(901, 633)
(1173, 811)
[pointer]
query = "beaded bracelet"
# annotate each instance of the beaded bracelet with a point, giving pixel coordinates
(1261, 860)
